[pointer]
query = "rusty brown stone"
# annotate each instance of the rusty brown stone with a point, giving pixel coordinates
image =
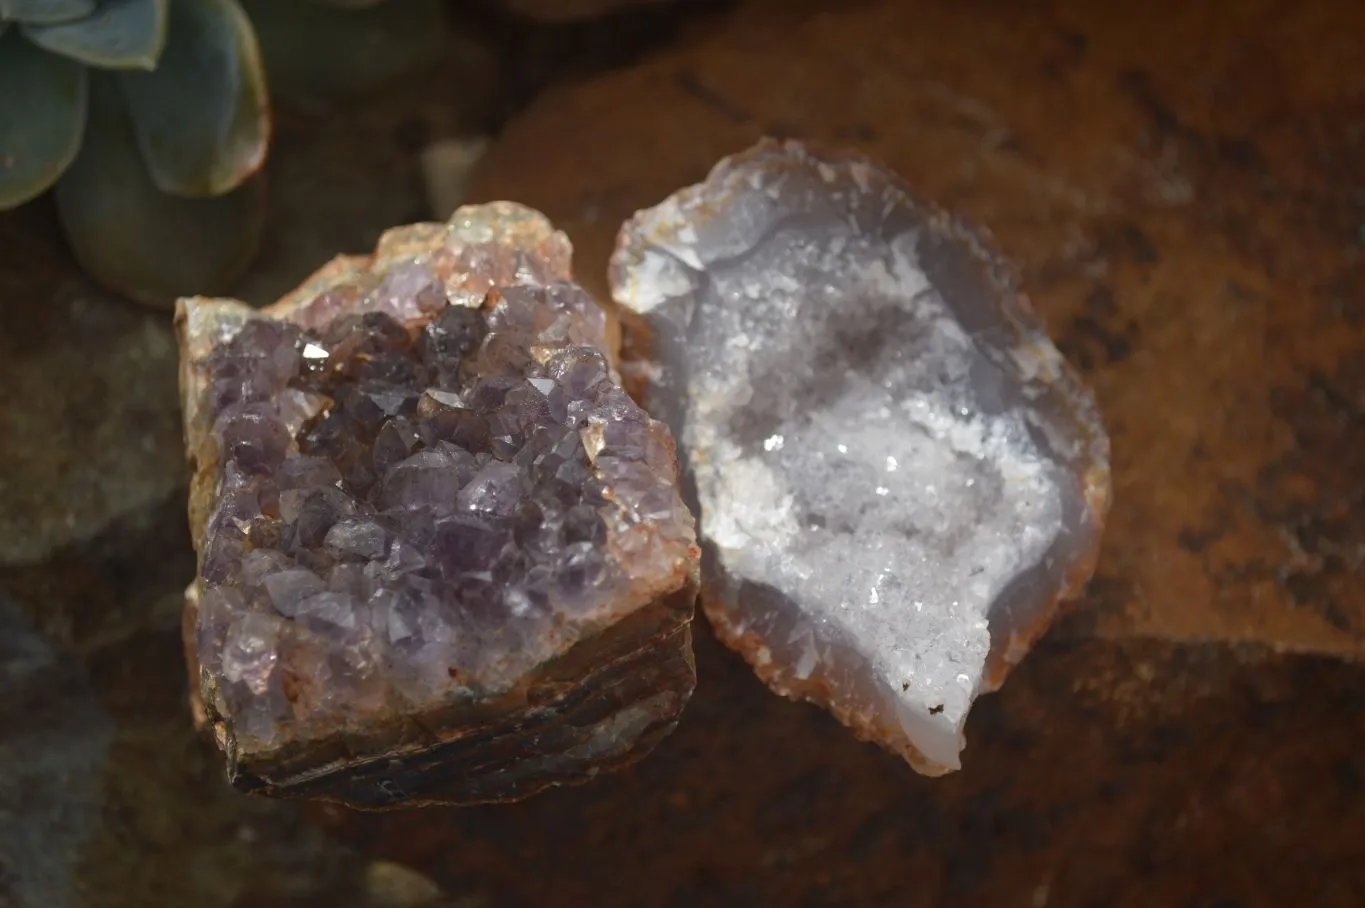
(1106, 772)
(1177, 185)
(1198, 260)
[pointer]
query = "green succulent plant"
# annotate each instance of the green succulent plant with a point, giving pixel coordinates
(151, 120)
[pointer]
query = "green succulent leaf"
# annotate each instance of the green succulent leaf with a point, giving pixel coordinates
(42, 118)
(45, 11)
(121, 34)
(202, 117)
(318, 54)
(135, 239)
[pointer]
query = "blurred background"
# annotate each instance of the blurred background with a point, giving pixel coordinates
(1182, 188)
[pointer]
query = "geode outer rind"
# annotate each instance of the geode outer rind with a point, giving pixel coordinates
(443, 558)
(826, 349)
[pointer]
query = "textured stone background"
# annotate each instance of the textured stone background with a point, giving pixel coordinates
(1183, 188)
(1184, 192)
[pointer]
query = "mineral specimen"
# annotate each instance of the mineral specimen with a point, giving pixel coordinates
(898, 477)
(443, 556)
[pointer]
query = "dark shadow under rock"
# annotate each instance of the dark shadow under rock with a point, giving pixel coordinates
(1119, 773)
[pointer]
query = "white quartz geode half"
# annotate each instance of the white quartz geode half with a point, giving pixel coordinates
(898, 477)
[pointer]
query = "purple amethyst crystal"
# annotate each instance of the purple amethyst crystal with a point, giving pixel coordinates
(432, 528)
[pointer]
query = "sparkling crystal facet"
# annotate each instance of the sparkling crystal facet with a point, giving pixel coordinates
(898, 476)
(417, 584)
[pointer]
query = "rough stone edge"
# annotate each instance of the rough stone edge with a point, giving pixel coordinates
(695, 202)
(656, 637)
(201, 322)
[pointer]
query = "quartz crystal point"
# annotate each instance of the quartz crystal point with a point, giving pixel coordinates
(443, 557)
(898, 477)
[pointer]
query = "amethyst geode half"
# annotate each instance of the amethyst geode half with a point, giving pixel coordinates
(443, 557)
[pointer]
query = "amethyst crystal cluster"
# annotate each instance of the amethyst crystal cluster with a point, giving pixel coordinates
(443, 554)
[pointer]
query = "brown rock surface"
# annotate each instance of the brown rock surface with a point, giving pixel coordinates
(1181, 189)
(86, 394)
(571, 10)
(1125, 773)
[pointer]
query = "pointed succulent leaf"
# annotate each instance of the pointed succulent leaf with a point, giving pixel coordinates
(201, 117)
(45, 11)
(42, 118)
(137, 240)
(121, 34)
(365, 47)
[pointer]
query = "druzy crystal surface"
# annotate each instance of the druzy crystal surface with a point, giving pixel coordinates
(443, 556)
(898, 476)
